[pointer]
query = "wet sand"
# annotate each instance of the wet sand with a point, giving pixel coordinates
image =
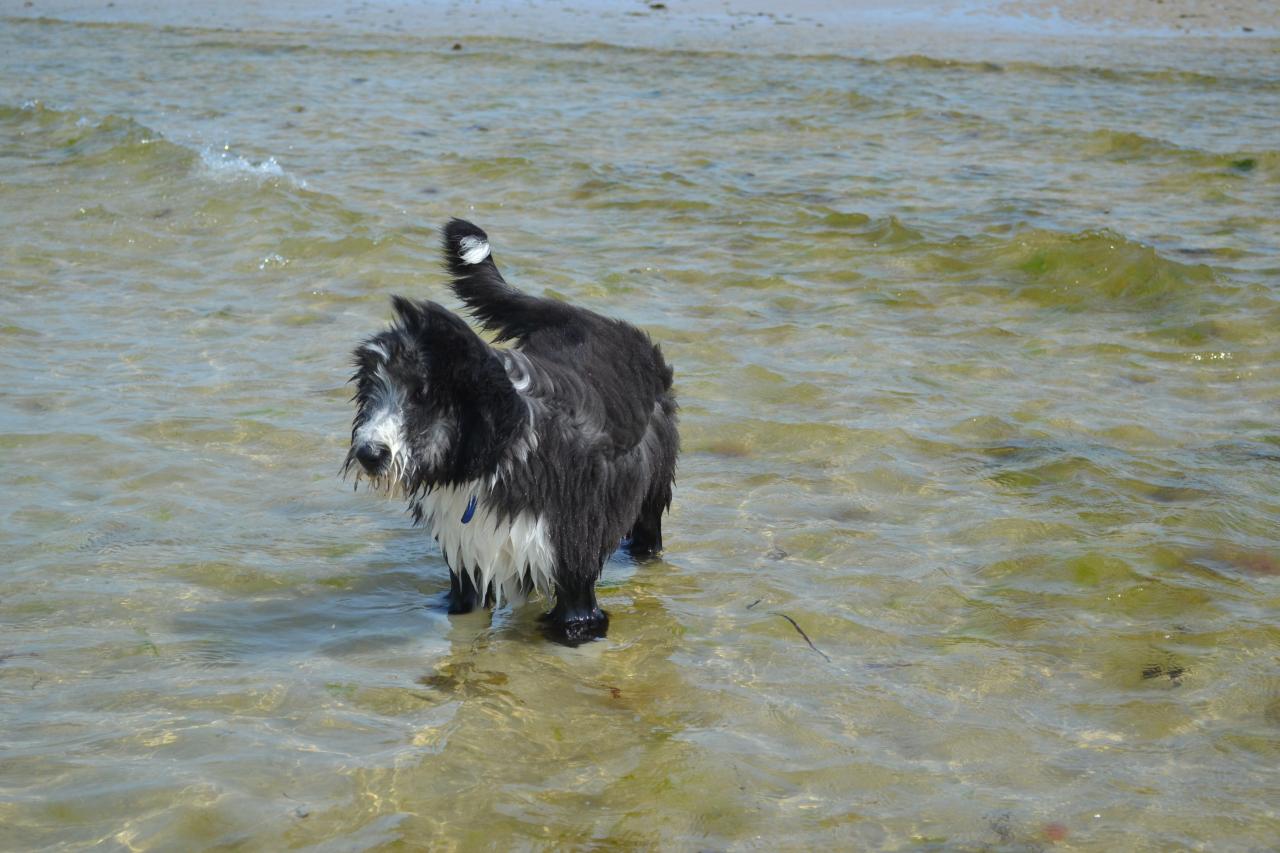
(808, 26)
(1178, 17)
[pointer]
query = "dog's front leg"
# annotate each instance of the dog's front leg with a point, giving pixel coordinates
(576, 617)
(463, 595)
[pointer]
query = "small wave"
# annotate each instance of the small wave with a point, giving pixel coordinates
(931, 63)
(64, 137)
(1065, 73)
(123, 147)
(1093, 270)
(884, 230)
(222, 163)
(34, 108)
(1125, 146)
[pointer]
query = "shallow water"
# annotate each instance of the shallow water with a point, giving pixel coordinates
(978, 364)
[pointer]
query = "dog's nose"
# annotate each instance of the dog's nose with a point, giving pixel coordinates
(373, 456)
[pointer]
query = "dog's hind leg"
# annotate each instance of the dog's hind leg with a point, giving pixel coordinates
(463, 595)
(576, 617)
(646, 534)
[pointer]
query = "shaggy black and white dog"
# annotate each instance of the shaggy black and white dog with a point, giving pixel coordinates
(530, 463)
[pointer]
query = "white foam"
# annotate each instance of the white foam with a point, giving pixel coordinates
(222, 163)
(273, 260)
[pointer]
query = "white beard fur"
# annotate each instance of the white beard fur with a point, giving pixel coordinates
(509, 554)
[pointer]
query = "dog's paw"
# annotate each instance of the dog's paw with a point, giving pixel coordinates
(577, 629)
(462, 596)
(459, 606)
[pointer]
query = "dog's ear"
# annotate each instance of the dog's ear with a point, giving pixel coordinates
(438, 331)
(409, 314)
(457, 358)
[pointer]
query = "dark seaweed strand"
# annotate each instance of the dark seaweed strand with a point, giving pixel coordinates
(796, 625)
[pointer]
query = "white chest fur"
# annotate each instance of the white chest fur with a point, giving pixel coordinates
(511, 554)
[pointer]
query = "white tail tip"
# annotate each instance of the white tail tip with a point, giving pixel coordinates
(473, 250)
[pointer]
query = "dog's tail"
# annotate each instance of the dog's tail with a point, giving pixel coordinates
(497, 305)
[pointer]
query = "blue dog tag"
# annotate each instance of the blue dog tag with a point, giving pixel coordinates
(470, 511)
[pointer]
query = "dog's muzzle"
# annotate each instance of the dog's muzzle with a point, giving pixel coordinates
(373, 457)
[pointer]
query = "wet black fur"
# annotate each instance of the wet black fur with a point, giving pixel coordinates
(603, 465)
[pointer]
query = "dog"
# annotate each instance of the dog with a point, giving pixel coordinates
(529, 464)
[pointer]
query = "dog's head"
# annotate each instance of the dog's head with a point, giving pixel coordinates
(433, 402)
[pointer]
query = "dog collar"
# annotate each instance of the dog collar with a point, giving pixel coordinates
(470, 510)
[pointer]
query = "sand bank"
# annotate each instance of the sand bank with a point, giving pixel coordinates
(1176, 17)
(805, 26)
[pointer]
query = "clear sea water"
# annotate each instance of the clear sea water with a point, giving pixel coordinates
(980, 375)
